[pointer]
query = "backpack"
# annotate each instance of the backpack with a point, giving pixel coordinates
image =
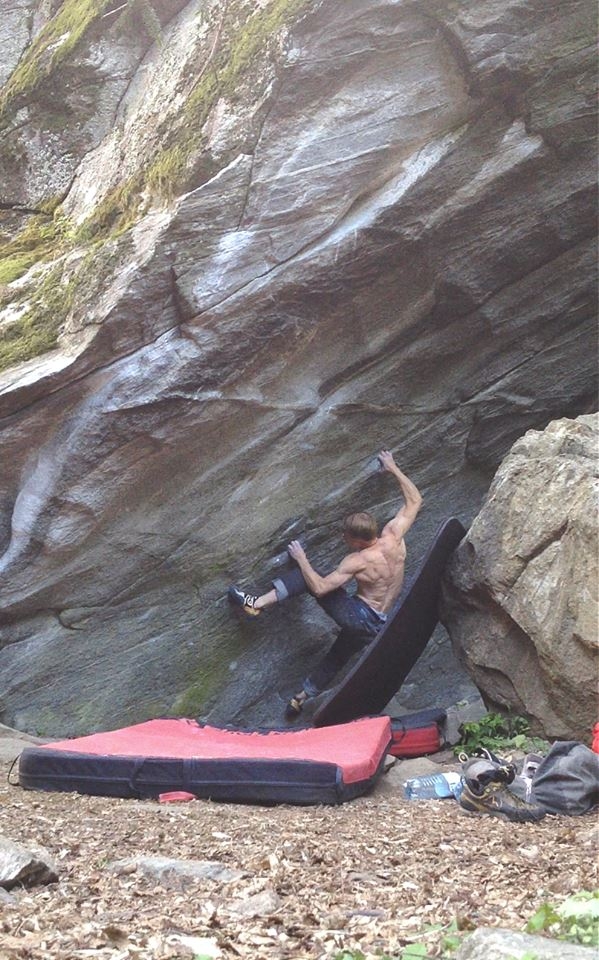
(567, 779)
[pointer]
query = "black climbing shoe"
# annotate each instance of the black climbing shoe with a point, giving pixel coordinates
(483, 768)
(296, 705)
(485, 780)
(497, 800)
(245, 601)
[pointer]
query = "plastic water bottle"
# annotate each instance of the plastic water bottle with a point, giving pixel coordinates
(434, 786)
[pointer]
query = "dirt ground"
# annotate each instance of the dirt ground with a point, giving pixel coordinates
(372, 875)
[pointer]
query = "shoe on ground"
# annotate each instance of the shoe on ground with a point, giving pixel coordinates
(296, 705)
(496, 800)
(246, 602)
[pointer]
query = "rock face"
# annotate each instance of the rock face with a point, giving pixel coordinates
(521, 600)
(291, 233)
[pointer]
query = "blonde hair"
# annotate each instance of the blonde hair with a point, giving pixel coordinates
(361, 526)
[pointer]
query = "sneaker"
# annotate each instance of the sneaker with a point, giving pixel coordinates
(245, 601)
(296, 705)
(498, 801)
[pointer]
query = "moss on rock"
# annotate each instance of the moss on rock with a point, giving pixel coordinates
(48, 236)
(44, 237)
(11, 268)
(205, 681)
(204, 684)
(244, 39)
(53, 44)
(37, 330)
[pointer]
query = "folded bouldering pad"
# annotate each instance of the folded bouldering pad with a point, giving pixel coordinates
(417, 734)
(328, 765)
(387, 660)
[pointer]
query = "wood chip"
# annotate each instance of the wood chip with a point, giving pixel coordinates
(370, 875)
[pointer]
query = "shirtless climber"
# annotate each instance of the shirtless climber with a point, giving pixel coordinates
(376, 563)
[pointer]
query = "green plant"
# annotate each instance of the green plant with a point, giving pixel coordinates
(498, 732)
(452, 939)
(575, 920)
(414, 951)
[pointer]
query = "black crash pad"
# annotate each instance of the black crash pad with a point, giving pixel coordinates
(386, 662)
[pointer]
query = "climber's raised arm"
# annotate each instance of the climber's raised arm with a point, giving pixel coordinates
(408, 512)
